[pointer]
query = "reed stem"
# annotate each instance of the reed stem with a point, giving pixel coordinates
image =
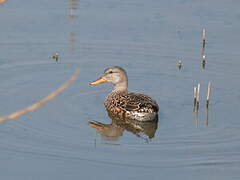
(198, 95)
(208, 93)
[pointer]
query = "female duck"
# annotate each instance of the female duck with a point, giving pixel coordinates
(120, 102)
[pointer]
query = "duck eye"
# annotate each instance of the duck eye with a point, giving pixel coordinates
(110, 72)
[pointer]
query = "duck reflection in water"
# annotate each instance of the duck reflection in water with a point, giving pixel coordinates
(115, 129)
(131, 111)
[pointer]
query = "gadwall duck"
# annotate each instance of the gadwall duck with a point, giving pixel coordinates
(126, 104)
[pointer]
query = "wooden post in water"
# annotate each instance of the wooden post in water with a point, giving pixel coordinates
(203, 48)
(179, 64)
(207, 101)
(194, 97)
(196, 92)
(203, 61)
(208, 94)
(198, 96)
(56, 57)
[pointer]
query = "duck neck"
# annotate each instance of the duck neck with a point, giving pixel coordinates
(119, 87)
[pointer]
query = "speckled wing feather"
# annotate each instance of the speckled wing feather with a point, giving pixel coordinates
(131, 102)
(140, 102)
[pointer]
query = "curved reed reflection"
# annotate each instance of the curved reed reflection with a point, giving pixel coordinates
(43, 101)
(2, 1)
(115, 129)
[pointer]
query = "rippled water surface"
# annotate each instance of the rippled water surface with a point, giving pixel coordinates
(147, 38)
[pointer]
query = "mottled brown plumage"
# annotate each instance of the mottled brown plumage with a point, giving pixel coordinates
(120, 102)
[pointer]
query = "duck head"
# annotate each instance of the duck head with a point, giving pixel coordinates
(115, 75)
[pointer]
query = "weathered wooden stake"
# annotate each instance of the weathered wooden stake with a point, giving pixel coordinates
(203, 61)
(198, 96)
(208, 93)
(194, 97)
(203, 41)
(179, 64)
(203, 48)
(56, 57)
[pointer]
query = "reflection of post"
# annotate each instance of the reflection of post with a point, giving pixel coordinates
(72, 39)
(72, 7)
(206, 117)
(196, 119)
(95, 141)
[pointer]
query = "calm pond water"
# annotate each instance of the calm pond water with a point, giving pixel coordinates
(147, 38)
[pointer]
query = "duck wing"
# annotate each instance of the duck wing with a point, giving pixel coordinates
(140, 102)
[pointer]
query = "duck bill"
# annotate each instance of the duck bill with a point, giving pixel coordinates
(98, 81)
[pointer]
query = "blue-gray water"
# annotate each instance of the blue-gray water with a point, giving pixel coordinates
(146, 38)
